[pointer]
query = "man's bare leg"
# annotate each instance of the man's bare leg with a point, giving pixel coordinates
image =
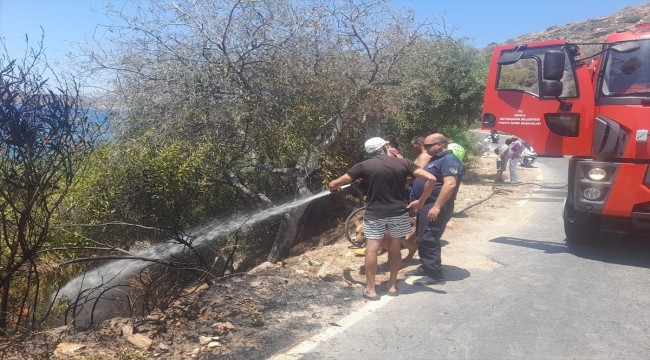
(394, 262)
(372, 248)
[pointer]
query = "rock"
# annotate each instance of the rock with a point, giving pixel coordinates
(163, 346)
(116, 325)
(140, 341)
(223, 326)
(329, 272)
(214, 344)
(155, 317)
(204, 340)
(66, 350)
(127, 330)
(300, 271)
(315, 263)
(58, 331)
(263, 267)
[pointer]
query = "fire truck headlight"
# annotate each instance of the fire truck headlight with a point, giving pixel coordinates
(597, 174)
(591, 194)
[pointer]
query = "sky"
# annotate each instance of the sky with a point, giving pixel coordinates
(485, 21)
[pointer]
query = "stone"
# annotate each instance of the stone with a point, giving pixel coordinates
(66, 350)
(204, 340)
(224, 326)
(263, 267)
(315, 263)
(116, 325)
(140, 341)
(127, 330)
(163, 346)
(214, 344)
(329, 272)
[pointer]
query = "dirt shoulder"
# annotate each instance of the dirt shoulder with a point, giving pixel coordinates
(275, 307)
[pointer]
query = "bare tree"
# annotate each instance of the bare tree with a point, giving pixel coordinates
(269, 85)
(46, 135)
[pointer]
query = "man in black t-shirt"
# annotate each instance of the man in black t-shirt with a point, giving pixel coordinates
(438, 208)
(386, 207)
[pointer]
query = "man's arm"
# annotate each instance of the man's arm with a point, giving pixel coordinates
(422, 160)
(335, 185)
(428, 188)
(448, 185)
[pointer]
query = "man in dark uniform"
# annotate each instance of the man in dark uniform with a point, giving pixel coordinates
(386, 207)
(438, 208)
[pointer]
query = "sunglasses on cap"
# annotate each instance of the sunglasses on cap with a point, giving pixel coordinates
(426, 146)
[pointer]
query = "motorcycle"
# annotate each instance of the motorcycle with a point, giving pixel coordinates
(528, 156)
(495, 136)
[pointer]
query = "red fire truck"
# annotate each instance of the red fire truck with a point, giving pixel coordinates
(596, 109)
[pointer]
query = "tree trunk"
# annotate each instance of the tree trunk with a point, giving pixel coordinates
(4, 306)
(289, 225)
(286, 234)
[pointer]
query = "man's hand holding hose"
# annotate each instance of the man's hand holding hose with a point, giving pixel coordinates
(340, 183)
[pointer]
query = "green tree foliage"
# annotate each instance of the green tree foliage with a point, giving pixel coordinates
(444, 82)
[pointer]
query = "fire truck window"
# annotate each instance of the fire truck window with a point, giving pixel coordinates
(569, 87)
(627, 74)
(522, 75)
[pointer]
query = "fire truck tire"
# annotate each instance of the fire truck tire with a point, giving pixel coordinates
(578, 233)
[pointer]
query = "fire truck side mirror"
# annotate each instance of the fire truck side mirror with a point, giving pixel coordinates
(552, 71)
(554, 65)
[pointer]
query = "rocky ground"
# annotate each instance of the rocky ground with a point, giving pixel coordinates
(276, 306)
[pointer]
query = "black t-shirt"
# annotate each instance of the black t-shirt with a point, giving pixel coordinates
(385, 179)
(443, 164)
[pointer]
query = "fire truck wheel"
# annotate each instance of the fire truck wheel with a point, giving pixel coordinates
(578, 233)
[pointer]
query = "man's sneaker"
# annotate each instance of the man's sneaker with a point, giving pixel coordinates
(425, 280)
(419, 271)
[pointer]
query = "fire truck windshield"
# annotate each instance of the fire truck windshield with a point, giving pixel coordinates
(627, 74)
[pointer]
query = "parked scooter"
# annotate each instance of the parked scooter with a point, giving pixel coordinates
(495, 136)
(528, 155)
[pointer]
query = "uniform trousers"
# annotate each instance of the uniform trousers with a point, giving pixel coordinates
(429, 234)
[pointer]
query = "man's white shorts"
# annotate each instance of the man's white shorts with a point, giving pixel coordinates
(397, 227)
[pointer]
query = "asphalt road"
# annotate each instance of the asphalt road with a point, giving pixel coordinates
(547, 301)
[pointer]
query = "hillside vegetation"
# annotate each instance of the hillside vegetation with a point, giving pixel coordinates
(591, 30)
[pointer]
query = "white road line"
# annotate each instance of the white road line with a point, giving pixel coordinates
(304, 347)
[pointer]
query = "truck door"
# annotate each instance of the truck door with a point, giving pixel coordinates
(557, 124)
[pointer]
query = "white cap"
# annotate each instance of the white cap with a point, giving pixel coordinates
(375, 144)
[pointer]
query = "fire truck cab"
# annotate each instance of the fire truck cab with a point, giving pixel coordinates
(599, 113)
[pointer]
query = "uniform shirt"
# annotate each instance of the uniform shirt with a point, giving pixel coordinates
(443, 164)
(385, 179)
